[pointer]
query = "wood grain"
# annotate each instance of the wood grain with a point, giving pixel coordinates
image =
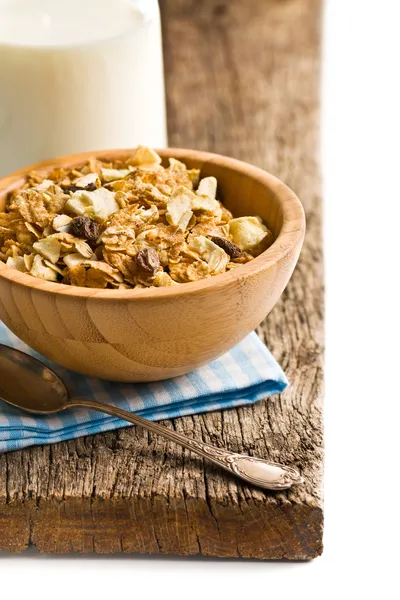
(154, 334)
(242, 80)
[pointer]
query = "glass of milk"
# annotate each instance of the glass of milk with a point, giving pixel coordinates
(78, 75)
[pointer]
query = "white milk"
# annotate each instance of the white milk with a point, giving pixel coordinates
(78, 75)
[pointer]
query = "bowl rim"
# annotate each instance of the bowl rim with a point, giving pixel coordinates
(291, 233)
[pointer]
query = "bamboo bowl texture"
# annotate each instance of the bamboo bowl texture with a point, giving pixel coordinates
(158, 333)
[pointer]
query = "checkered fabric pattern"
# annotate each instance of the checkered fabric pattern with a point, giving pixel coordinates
(242, 376)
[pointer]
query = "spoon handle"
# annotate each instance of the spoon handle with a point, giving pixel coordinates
(256, 471)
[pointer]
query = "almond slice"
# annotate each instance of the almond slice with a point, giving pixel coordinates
(49, 248)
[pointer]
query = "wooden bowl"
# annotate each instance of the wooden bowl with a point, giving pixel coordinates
(157, 333)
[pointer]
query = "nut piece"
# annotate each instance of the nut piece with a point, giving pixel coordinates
(162, 279)
(49, 248)
(215, 257)
(248, 232)
(230, 248)
(114, 174)
(17, 262)
(45, 185)
(179, 212)
(99, 204)
(84, 227)
(61, 222)
(207, 187)
(147, 259)
(28, 260)
(73, 259)
(41, 271)
(144, 157)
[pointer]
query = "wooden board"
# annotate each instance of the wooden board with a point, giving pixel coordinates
(242, 80)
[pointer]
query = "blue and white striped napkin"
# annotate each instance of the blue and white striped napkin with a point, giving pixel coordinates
(242, 376)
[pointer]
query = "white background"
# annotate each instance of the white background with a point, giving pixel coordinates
(360, 143)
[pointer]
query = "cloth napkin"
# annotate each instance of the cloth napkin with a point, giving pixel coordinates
(242, 376)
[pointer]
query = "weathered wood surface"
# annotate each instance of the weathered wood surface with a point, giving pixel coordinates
(242, 80)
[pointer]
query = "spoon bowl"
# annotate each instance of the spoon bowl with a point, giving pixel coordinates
(28, 384)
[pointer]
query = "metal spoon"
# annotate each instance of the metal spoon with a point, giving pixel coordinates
(28, 384)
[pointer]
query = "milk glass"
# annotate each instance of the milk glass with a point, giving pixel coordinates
(78, 75)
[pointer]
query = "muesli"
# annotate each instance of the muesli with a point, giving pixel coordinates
(125, 224)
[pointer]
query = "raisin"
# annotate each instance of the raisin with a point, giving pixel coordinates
(147, 259)
(230, 248)
(84, 227)
(90, 187)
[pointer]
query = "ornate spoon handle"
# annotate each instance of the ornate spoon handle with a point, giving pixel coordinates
(259, 472)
